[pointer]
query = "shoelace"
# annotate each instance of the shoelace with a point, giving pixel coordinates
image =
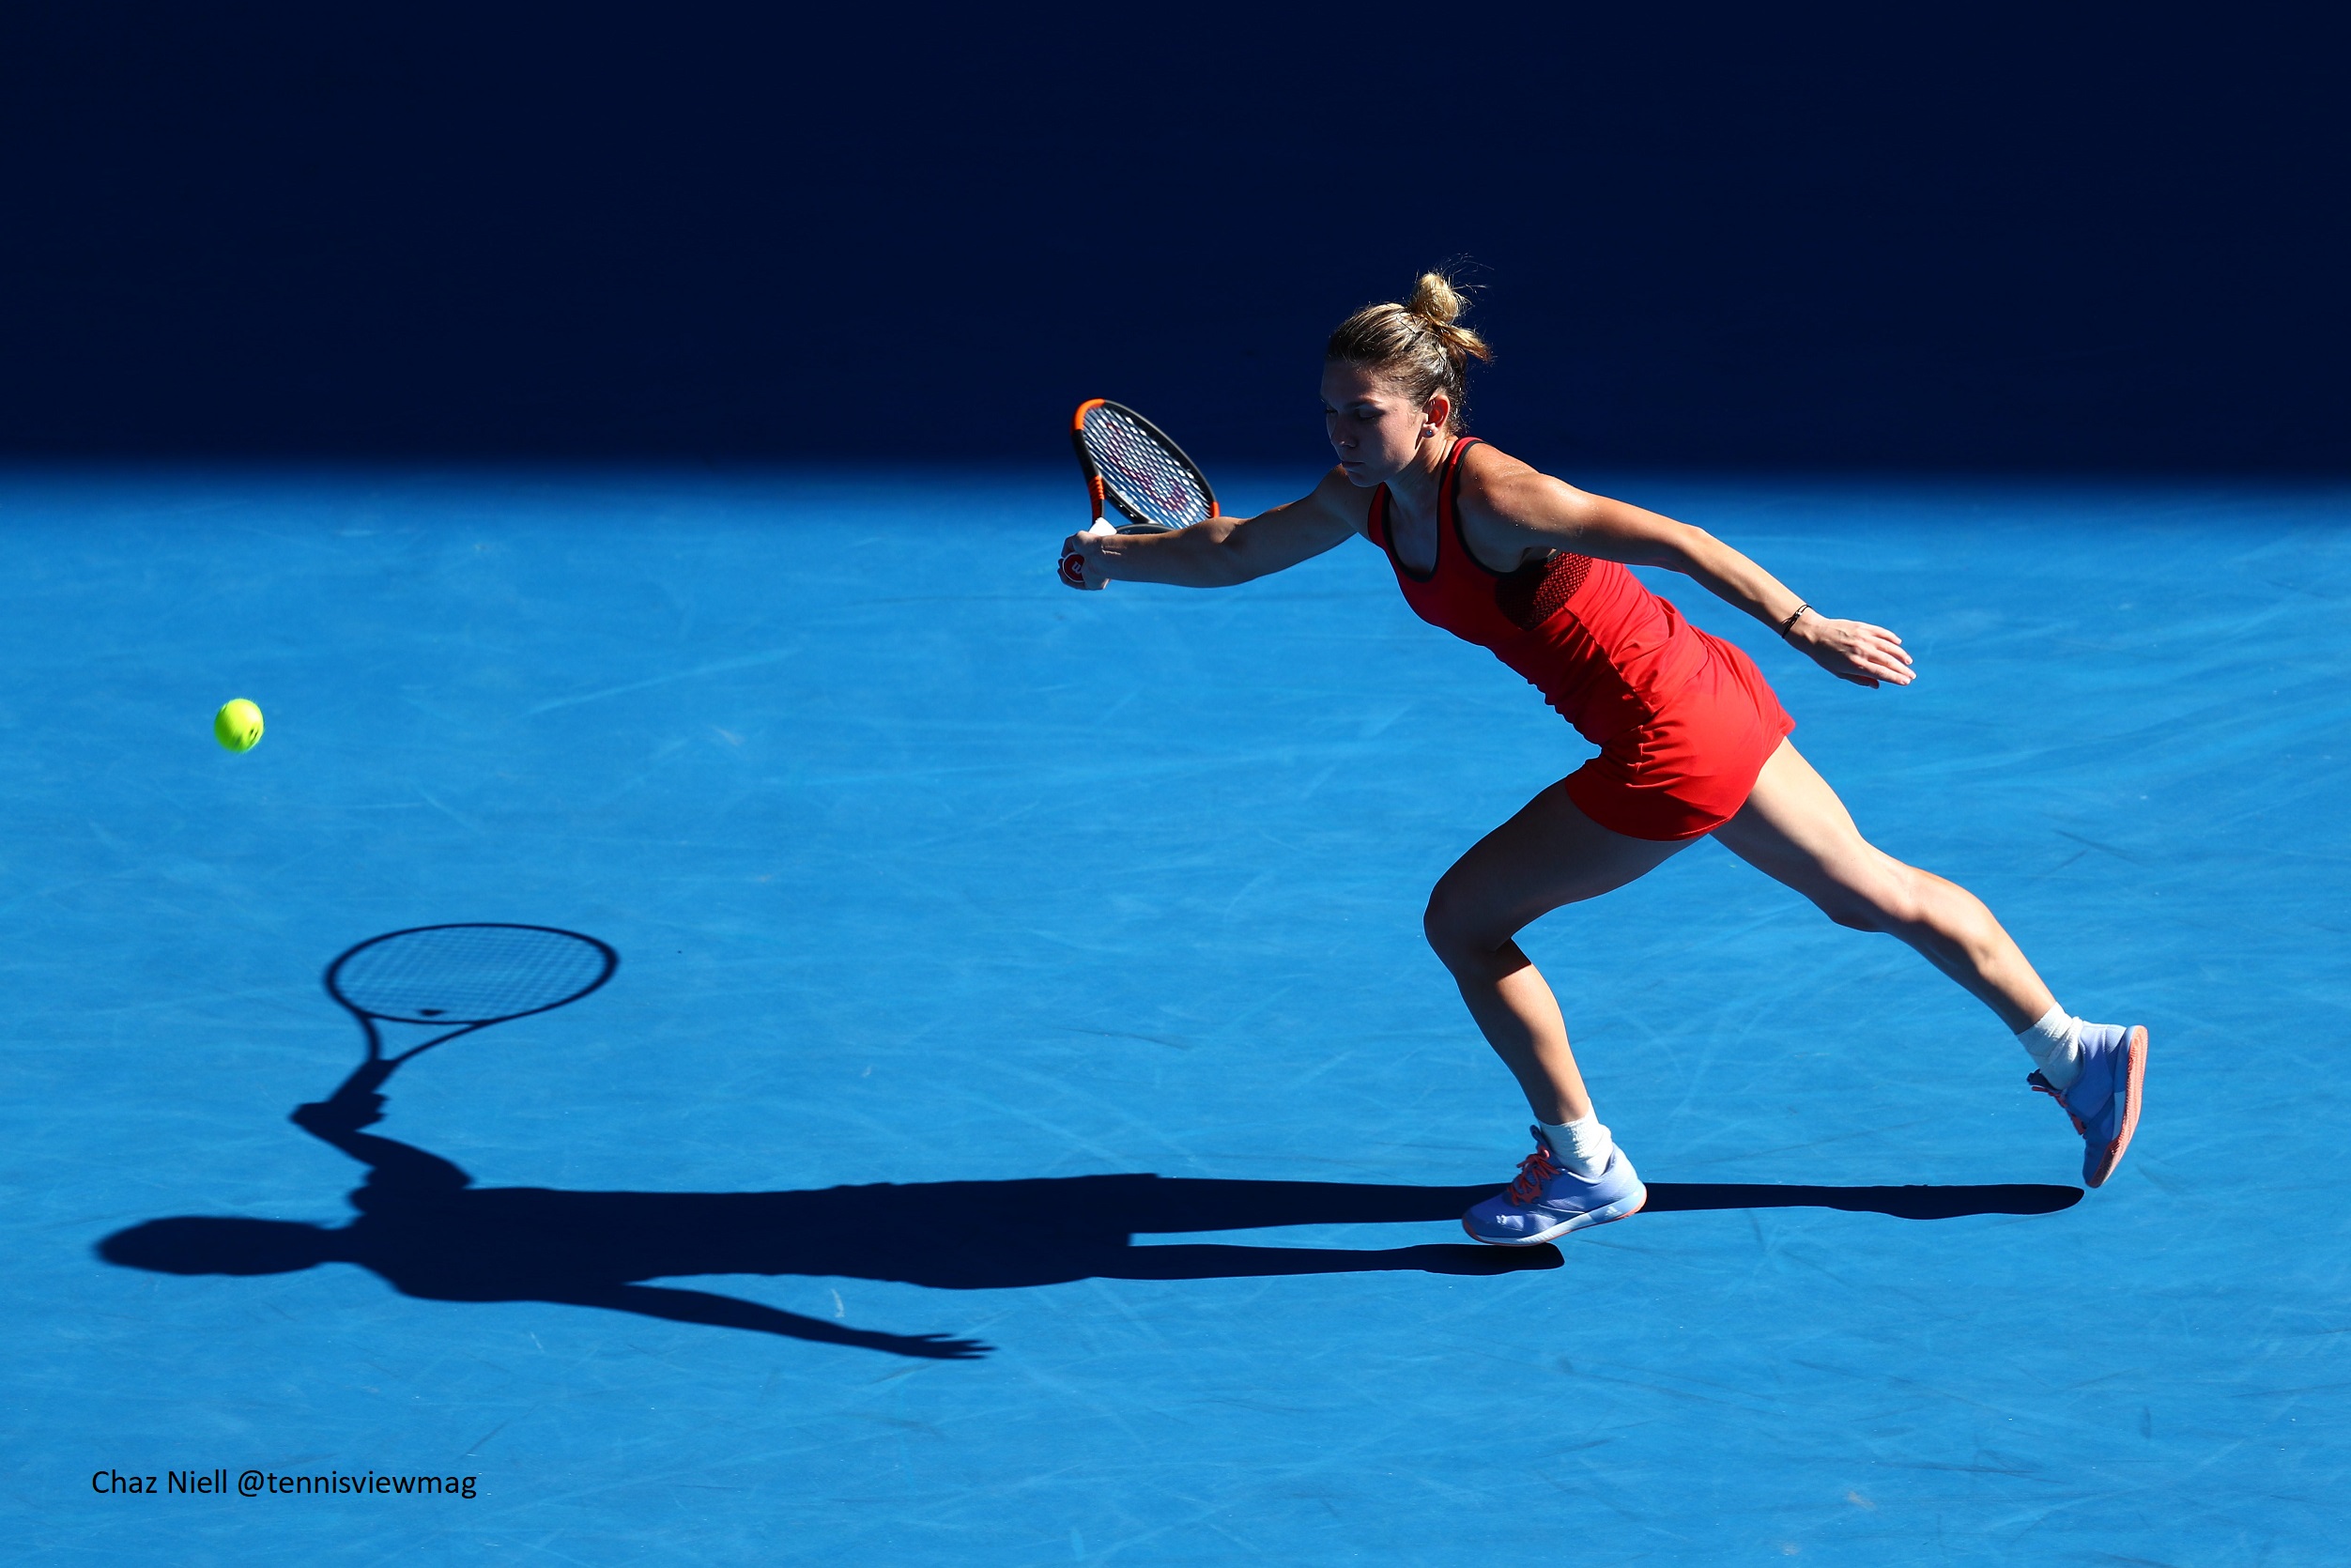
(2043, 1088)
(1534, 1173)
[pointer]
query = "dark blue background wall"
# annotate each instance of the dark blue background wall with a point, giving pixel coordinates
(1707, 235)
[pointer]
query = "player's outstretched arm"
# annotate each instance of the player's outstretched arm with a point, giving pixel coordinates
(1224, 550)
(1535, 510)
(728, 1311)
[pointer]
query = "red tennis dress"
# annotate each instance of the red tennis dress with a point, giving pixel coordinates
(1683, 721)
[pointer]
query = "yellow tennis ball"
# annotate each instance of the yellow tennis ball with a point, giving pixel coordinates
(237, 725)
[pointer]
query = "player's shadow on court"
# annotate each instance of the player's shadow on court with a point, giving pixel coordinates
(429, 1232)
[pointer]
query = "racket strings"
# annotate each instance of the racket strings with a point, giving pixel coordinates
(1141, 474)
(468, 974)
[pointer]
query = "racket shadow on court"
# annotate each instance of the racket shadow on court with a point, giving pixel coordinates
(429, 1232)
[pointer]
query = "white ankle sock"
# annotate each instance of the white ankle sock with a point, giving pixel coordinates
(2054, 1045)
(1581, 1147)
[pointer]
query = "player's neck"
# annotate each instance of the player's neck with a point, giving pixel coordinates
(1415, 487)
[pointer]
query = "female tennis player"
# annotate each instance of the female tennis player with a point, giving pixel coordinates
(1692, 740)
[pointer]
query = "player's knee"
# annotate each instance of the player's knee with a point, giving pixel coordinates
(1438, 922)
(1885, 901)
(1850, 910)
(1453, 928)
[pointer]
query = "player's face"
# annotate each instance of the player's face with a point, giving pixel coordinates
(1373, 427)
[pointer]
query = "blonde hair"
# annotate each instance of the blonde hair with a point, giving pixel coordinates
(1416, 344)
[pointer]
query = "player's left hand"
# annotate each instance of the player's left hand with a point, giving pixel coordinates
(1853, 651)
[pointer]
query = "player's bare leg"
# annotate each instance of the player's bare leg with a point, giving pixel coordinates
(1794, 829)
(1549, 855)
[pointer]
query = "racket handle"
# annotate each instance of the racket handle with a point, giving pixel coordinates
(366, 1078)
(1074, 564)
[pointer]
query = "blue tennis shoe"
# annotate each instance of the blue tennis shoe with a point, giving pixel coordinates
(2104, 1100)
(1546, 1202)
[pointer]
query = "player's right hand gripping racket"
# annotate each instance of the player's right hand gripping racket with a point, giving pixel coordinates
(1131, 463)
(456, 979)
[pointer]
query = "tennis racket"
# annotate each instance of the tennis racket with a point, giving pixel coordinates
(1130, 463)
(456, 979)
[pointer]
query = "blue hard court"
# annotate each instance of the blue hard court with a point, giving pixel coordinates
(1025, 1126)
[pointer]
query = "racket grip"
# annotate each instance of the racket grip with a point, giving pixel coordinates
(366, 1078)
(1073, 569)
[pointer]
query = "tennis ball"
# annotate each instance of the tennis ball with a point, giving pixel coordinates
(237, 725)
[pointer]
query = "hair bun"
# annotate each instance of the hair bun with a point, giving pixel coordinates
(1435, 299)
(1416, 344)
